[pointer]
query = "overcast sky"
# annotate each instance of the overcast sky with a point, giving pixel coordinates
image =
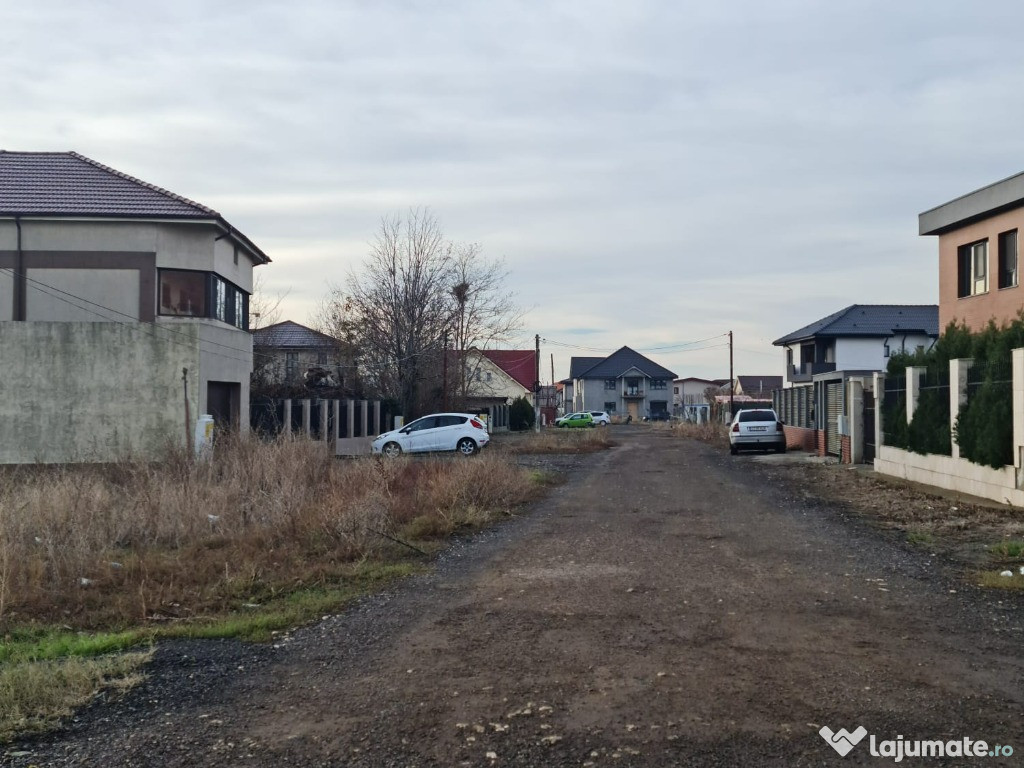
(653, 173)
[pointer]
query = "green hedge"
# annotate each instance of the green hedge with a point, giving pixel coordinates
(984, 428)
(520, 415)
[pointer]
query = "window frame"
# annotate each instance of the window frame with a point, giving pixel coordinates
(225, 301)
(972, 281)
(1009, 277)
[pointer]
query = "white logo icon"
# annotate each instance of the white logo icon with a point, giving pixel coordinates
(842, 741)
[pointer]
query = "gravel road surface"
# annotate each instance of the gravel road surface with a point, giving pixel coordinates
(669, 605)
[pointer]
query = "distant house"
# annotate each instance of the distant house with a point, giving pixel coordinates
(858, 337)
(757, 387)
(291, 354)
(496, 377)
(823, 357)
(123, 307)
(625, 383)
(690, 397)
(979, 270)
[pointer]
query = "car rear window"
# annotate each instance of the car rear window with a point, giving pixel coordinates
(757, 416)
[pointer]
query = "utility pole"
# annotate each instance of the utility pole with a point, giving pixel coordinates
(552, 369)
(444, 375)
(536, 386)
(732, 381)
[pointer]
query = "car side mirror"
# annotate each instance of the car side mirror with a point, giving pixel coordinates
(404, 431)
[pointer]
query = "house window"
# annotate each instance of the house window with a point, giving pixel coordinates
(659, 384)
(675, 390)
(609, 384)
(972, 269)
(1008, 259)
(182, 293)
(609, 408)
(185, 293)
(321, 359)
(291, 366)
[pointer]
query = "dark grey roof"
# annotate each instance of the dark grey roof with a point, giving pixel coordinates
(580, 365)
(617, 363)
(759, 384)
(980, 204)
(68, 184)
(871, 320)
(293, 335)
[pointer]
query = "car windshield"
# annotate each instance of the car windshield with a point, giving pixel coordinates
(746, 416)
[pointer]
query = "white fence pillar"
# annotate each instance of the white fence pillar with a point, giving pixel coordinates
(914, 374)
(957, 394)
(286, 425)
(1017, 356)
(306, 420)
(325, 432)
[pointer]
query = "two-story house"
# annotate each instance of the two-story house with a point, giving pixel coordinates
(625, 383)
(822, 357)
(123, 312)
(290, 354)
(979, 279)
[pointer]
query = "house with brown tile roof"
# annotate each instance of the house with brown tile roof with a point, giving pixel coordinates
(123, 309)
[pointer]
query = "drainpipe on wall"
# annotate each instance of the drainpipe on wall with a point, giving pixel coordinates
(19, 275)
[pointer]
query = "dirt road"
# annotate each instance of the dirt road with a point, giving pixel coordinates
(662, 608)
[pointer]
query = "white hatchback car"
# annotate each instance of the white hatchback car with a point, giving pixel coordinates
(756, 428)
(460, 432)
(601, 419)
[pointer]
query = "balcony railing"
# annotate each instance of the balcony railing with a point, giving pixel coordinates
(636, 392)
(805, 371)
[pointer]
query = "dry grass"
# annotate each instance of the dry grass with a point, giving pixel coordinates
(131, 543)
(714, 434)
(554, 440)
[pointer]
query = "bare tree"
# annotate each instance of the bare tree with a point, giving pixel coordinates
(399, 301)
(484, 313)
(264, 309)
(334, 316)
(416, 296)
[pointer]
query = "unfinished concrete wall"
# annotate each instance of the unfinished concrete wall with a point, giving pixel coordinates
(75, 392)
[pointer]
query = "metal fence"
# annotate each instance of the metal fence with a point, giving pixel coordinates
(795, 406)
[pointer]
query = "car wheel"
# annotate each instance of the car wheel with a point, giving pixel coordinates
(466, 446)
(733, 450)
(391, 450)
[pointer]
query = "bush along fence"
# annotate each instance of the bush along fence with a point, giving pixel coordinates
(956, 424)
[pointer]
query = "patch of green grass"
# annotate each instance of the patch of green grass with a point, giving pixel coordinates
(995, 580)
(1009, 549)
(921, 538)
(47, 644)
(36, 695)
(545, 479)
(48, 672)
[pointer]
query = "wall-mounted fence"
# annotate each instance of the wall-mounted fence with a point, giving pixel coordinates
(350, 425)
(995, 396)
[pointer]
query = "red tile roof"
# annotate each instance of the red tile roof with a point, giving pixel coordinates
(520, 364)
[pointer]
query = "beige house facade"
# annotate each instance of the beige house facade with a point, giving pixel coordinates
(123, 307)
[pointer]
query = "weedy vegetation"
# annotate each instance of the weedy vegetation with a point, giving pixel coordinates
(96, 560)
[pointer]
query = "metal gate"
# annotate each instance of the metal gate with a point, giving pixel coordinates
(833, 405)
(869, 427)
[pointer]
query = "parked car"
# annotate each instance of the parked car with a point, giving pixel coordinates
(581, 419)
(601, 419)
(437, 432)
(757, 428)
